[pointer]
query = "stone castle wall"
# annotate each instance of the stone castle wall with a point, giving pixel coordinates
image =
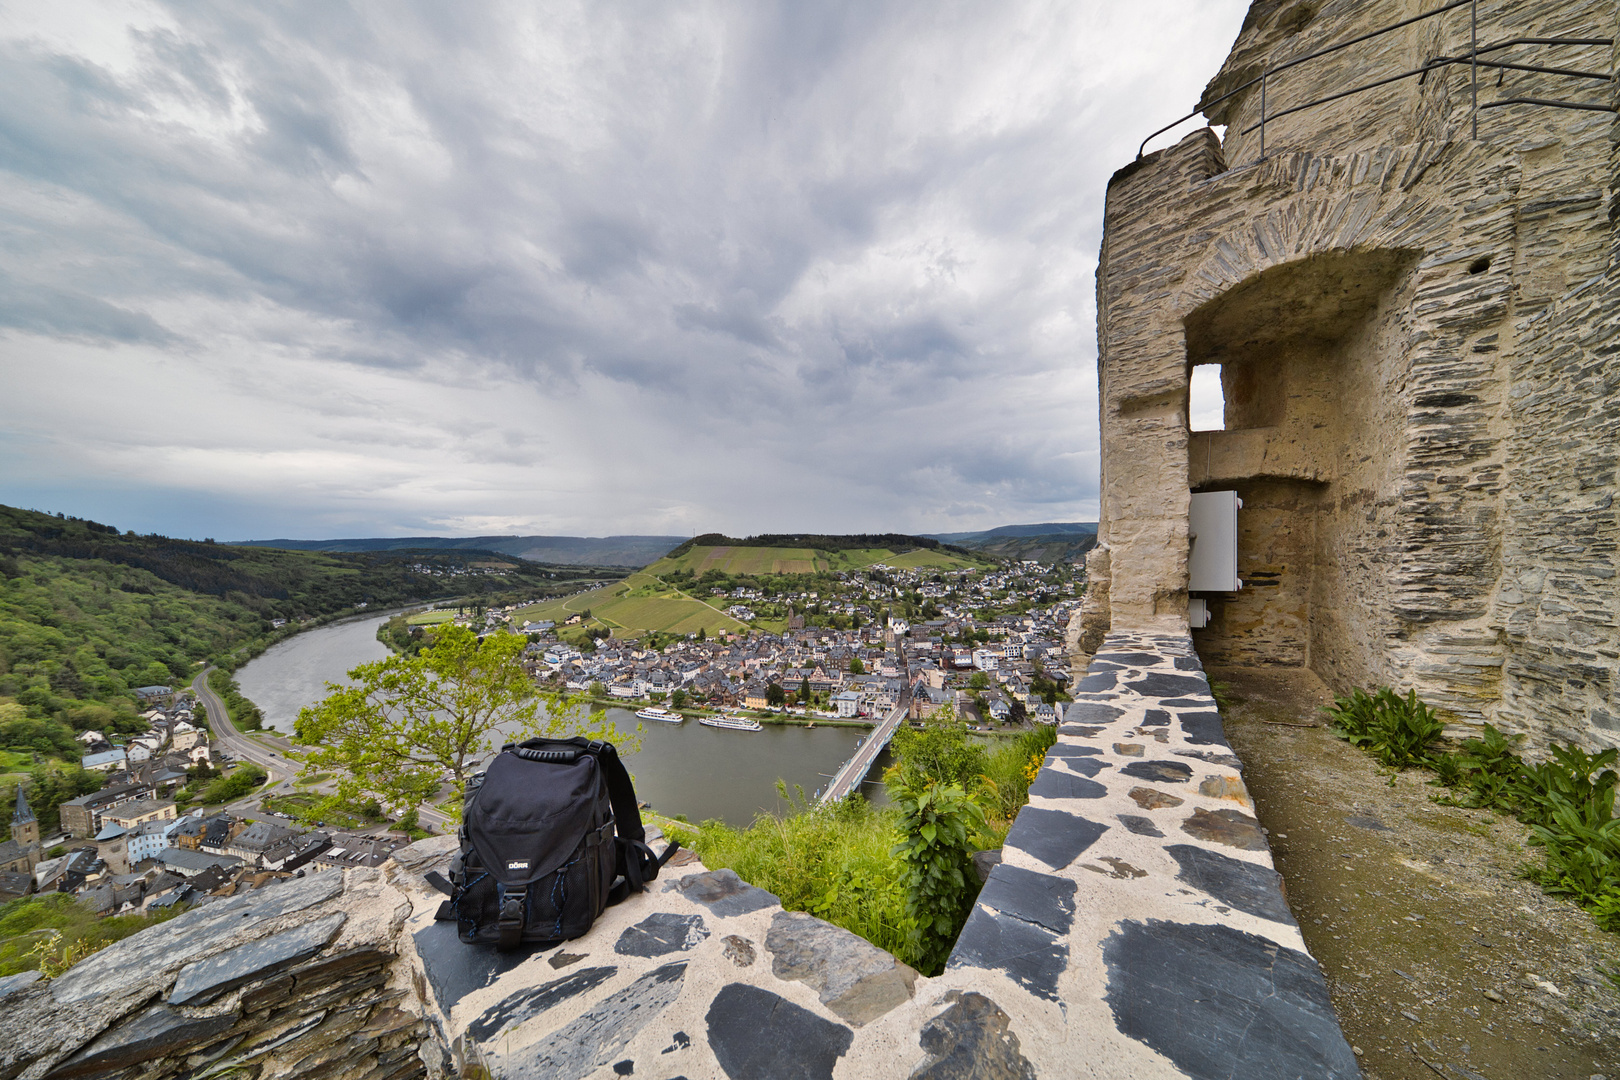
(1415, 337)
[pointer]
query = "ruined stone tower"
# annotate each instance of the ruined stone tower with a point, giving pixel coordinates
(1410, 292)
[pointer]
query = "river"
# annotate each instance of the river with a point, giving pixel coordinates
(689, 769)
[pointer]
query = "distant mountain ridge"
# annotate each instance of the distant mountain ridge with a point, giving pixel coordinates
(634, 551)
(1001, 532)
(1047, 542)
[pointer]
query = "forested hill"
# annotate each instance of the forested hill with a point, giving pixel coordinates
(88, 613)
(817, 542)
(627, 551)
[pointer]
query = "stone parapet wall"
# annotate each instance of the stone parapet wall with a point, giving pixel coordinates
(1134, 928)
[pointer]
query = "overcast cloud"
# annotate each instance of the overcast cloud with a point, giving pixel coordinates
(325, 270)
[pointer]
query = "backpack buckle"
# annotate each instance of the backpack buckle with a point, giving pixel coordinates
(510, 924)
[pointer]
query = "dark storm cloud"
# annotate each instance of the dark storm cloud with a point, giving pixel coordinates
(629, 267)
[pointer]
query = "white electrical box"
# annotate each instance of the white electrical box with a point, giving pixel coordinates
(1212, 526)
(1197, 613)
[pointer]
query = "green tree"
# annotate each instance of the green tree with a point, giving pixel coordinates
(938, 752)
(703, 635)
(408, 724)
(678, 698)
(856, 667)
(804, 691)
(775, 696)
(979, 681)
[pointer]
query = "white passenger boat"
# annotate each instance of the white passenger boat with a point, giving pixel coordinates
(658, 712)
(734, 723)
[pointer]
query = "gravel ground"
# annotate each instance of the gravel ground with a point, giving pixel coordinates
(1441, 960)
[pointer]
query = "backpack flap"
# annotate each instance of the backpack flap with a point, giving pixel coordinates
(529, 816)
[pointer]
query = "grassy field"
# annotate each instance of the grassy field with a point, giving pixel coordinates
(430, 618)
(739, 561)
(922, 557)
(639, 603)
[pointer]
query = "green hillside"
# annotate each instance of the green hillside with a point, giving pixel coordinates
(89, 613)
(675, 595)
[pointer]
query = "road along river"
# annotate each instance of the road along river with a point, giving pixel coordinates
(689, 769)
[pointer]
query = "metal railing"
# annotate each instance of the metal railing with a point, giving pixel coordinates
(1472, 58)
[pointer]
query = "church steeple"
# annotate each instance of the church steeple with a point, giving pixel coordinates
(22, 813)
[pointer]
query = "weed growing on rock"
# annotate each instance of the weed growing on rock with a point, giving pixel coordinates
(940, 828)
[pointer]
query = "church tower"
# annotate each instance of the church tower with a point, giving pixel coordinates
(24, 826)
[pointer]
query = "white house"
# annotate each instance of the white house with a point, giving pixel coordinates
(847, 702)
(106, 761)
(137, 752)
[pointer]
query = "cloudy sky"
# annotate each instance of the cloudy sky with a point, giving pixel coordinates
(314, 270)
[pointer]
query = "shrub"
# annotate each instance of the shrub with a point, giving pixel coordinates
(939, 829)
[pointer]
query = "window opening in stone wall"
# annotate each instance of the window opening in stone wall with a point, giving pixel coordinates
(1206, 404)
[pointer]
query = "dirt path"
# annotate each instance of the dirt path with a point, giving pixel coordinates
(1441, 960)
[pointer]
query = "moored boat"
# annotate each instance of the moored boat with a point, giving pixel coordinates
(658, 712)
(732, 723)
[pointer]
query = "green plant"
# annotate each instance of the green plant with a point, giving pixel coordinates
(939, 826)
(1397, 731)
(1570, 777)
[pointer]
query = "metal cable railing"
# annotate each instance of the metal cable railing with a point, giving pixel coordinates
(1472, 58)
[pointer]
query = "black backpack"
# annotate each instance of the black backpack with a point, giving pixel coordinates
(550, 836)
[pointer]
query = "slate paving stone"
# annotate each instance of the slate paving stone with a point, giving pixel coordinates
(756, 1034)
(1161, 684)
(1038, 898)
(660, 934)
(1246, 886)
(1031, 955)
(1086, 766)
(986, 861)
(1096, 684)
(1141, 826)
(1233, 828)
(1091, 712)
(854, 978)
(1156, 718)
(206, 980)
(1052, 784)
(534, 1000)
(739, 950)
(1203, 728)
(1150, 799)
(595, 1038)
(1133, 659)
(1079, 731)
(1188, 663)
(1070, 750)
(454, 969)
(971, 1040)
(1219, 1002)
(1052, 836)
(1128, 749)
(147, 1035)
(1202, 702)
(1231, 761)
(1165, 772)
(724, 893)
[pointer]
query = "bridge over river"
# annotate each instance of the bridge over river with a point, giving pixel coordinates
(854, 770)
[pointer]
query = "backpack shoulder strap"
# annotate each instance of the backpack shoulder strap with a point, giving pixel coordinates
(638, 863)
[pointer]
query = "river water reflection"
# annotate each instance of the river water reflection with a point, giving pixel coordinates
(689, 769)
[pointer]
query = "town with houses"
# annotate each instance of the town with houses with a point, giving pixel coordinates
(128, 847)
(987, 643)
(991, 648)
